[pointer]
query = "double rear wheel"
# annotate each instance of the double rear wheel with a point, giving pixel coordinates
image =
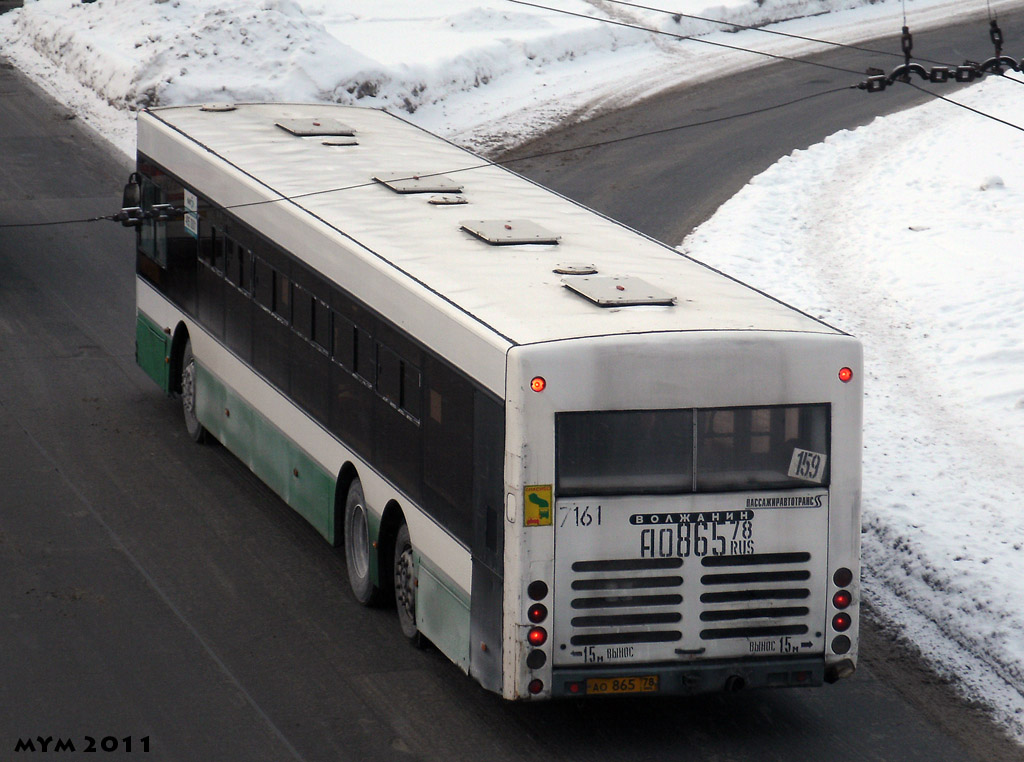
(358, 563)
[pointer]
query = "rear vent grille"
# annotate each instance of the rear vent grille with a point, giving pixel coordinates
(759, 579)
(624, 638)
(753, 632)
(643, 618)
(627, 601)
(759, 559)
(626, 583)
(627, 564)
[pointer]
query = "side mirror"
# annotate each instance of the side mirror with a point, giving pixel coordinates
(132, 192)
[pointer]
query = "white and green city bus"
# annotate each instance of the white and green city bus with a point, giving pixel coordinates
(580, 462)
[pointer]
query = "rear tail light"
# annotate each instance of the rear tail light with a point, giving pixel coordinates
(841, 622)
(843, 577)
(535, 686)
(841, 645)
(842, 599)
(537, 636)
(537, 613)
(538, 590)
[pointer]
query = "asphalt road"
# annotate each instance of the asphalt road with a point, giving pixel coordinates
(152, 590)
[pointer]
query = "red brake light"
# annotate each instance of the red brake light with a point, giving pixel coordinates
(535, 687)
(537, 613)
(841, 622)
(842, 599)
(537, 636)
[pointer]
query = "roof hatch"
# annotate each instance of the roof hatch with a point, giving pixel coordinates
(418, 182)
(617, 290)
(509, 232)
(306, 128)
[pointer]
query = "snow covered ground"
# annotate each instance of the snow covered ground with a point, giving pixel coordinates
(904, 233)
(487, 73)
(901, 232)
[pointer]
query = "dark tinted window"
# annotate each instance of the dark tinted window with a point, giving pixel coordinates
(412, 391)
(302, 313)
(762, 447)
(448, 443)
(321, 324)
(263, 288)
(389, 375)
(344, 349)
(365, 356)
(625, 452)
(282, 296)
(237, 265)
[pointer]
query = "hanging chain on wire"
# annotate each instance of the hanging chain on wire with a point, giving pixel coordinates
(968, 71)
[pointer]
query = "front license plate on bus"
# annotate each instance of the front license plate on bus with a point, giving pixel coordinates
(611, 685)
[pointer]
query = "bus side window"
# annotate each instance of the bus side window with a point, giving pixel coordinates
(365, 356)
(321, 324)
(389, 375)
(206, 244)
(448, 444)
(263, 283)
(344, 347)
(283, 296)
(302, 314)
(412, 390)
(152, 233)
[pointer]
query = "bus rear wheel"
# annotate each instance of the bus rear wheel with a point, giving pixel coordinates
(357, 547)
(405, 586)
(188, 394)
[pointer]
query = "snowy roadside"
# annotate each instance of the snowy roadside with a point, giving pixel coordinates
(488, 74)
(904, 233)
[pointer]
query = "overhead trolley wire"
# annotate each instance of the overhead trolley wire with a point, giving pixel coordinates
(651, 30)
(611, 141)
(766, 30)
(502, 162)
(105, 218)
(965, 106)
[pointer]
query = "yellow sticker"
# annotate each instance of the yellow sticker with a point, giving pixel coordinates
(537, 502)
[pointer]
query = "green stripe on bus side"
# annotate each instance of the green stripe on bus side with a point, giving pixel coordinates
(277, 460)
(153, 350)
(442, 612)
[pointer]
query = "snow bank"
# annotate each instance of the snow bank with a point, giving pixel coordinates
(905, 233)
(487, 73)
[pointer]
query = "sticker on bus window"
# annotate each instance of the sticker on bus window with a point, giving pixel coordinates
(807, 465)
(537, 504)
(192, 224)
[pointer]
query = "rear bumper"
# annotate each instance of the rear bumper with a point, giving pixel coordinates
(705, 677)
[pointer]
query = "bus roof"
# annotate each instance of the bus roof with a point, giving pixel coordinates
(325, 158)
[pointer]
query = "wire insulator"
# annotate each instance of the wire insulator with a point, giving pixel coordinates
(996, 34)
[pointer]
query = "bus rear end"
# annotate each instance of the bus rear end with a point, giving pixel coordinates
(684, 513)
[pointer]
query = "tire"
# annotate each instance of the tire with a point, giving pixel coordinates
(405, 587)
(357, 547)
(188, 395)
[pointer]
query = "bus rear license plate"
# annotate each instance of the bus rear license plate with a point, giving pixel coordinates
(611, 685)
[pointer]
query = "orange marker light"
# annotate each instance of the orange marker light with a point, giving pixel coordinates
(845, 375)
(538, 384)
